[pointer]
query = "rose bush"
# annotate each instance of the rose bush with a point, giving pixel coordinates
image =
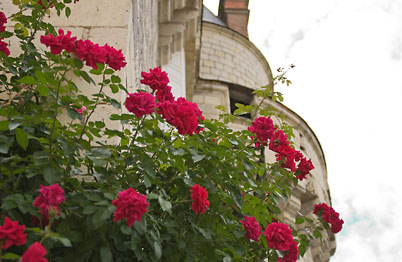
(168, 184)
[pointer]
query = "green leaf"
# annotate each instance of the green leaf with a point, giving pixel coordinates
(14, 125)
(157, 250)
(65, 241)
(99, 70)
(51, 175)
(9, 255)
(4, 148)
(126, 230)
(115, 88)
(43, 90)
(27, 80)
(106, 254)
(299, 220)
(4, 125)
(68, 11)
(22, 138)
(115, 79)
(227, 259)
(165, 205)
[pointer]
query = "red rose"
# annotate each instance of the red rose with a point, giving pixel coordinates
(131, 206)
(199, 195)
(164, 94)
(291, 254)
(90, 53)
(3, 21)
(304, 167)
(140, 103)
(35, 253)
(263, 127)
(279, 236)
(253, 229)
(330, 216)
(11, 233)
(155, 79)
(278, 139)
(59, 43)
(4, 48)
(114, 58)
(50, 198)
(182, 114)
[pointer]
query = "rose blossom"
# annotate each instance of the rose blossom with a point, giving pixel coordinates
(263, 127)
(164, 94)
(155, 79)
(330, 216)
(279, 236)
(3, 21)
(35, 253)
(4, 48)
(291, 254)
(253, 229)
(90, 53)
(304, 167)
(182, 114)
(199, 195)
(131, 206)
(59, 43)
(50, 198)
(114, 58)
(140, 104)
(11, 233)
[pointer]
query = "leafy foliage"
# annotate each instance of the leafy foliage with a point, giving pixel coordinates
(44, 140)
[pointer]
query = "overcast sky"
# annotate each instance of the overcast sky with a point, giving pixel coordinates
(347, 85)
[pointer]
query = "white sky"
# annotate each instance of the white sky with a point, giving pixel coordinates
(347, 85)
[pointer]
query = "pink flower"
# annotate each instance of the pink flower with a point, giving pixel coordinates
(59, 43)
(79, 110)
(279, 236)
(35, 253)
(114, 58)
(253, 229)
(330, 216)
(304, 167)
(182, 114)
(291, 254)
(4, 48)
(155, 79)
(263, 127)
(130, 206)
(199, 195)
(90, 53)
(140, 104)
(49, 200)
(11, 233)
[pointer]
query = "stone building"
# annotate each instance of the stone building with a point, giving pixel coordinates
(209, 59)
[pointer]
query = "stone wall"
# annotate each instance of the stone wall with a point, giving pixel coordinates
(230, 57)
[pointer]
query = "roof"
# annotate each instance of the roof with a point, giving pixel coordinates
(208, 16)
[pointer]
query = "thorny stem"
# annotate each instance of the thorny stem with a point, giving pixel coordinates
(86, 121)
(55, 113)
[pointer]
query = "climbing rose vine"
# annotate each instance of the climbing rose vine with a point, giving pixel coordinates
(93, 170)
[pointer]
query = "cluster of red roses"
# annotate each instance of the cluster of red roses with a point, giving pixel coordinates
(3, 45)
(278, 236)
(11, 233)
(264, 129)
(182, 114)
(131, 205)
(86, 50)
(330, 216)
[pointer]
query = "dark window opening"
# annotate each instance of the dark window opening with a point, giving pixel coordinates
(242, 95)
